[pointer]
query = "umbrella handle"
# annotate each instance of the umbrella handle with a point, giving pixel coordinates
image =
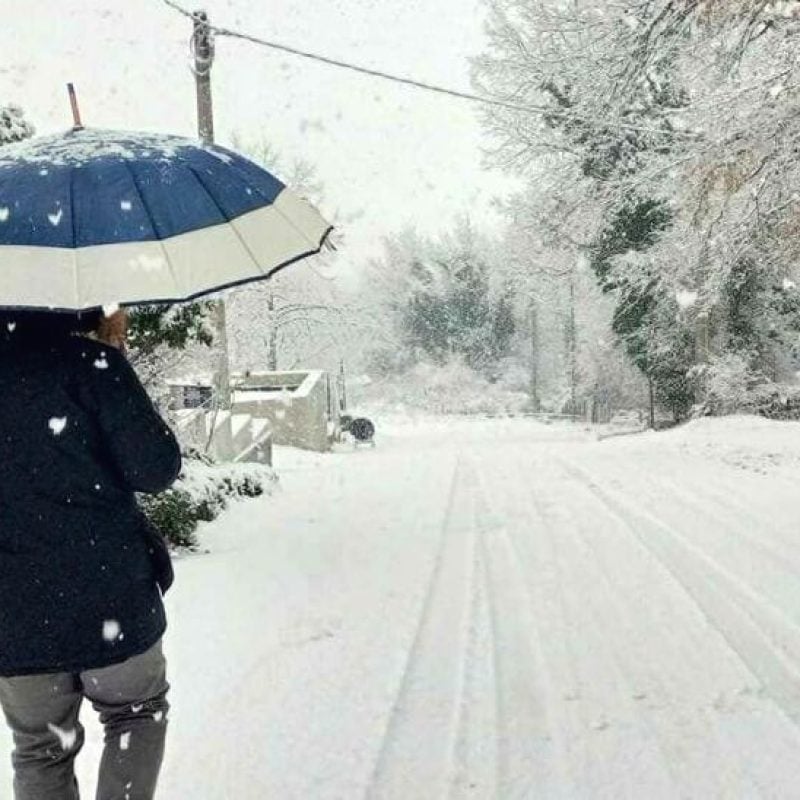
(76, 114)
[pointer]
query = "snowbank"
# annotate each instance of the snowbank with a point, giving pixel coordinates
(747, 442)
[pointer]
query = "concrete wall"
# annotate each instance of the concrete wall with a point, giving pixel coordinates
(295, 403)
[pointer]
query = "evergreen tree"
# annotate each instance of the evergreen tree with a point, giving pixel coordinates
(646, 319)
(176, 327)
(160, 335)
(452, 311)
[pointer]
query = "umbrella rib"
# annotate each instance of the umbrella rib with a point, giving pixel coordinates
(228, 221)
(267, 273)
(135, 182)
(75, 281)
(235, 168)
(289, 221)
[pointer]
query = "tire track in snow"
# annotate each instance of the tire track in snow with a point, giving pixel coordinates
(475, 755)
(726, 517)
(716, 506)
(532, 758)
(770, 569)
(608, 745)
(417, 755)
(672, 729)
(750, 746)
(763, 636)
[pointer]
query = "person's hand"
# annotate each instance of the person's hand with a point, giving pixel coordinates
(113, 330)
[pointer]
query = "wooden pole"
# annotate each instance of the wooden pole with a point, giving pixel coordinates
(343, 379)
(77, 125)
(203, 61)
(203, 48)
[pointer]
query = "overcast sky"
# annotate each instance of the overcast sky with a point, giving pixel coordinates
(389, 156)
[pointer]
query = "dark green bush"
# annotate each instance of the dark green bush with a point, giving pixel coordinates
(176, 515)
(201, 494)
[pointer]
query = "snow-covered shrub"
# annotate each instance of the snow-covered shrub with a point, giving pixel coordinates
(176, 514)
(729, 382)
(201, 494)
(775, 401)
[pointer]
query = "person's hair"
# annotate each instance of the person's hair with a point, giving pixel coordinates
(47, 324)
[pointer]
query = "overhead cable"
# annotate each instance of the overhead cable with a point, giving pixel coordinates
(497, 102)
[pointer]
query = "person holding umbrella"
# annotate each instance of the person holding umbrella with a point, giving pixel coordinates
(88, 220)
(81, 614)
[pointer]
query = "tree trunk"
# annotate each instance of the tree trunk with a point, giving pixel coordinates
(273, 336)
(702, 355)
(571, 343)
(534, 356)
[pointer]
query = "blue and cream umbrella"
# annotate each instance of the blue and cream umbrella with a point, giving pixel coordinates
(97, 218)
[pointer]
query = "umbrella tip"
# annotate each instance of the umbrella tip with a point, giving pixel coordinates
(76, 114)
(328, 242)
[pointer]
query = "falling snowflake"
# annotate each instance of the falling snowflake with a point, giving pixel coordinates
(685, 298)
(55, 219)
(111, 630)
(12, 326)
(101, 363)
(66, 739)
(57, 425)
(126, 205)
(4, 212)
(124, 741)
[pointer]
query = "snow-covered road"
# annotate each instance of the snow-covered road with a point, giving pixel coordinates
(498, 609)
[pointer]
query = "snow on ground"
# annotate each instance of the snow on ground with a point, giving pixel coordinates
(497, 609)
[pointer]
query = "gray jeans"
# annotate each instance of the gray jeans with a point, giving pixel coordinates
(42, 711)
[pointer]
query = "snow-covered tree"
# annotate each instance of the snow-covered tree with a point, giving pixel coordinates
(446, 300)
(300, 316)
(673, 124)
(162, 337)
(13, 125)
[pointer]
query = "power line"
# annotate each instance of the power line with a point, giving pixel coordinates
(374, 73)
(459, 94)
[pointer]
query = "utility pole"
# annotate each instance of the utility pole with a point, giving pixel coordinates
(203, 52)
(342, 386)
(534, 324)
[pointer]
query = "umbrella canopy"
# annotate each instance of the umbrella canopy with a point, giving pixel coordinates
(95, 218)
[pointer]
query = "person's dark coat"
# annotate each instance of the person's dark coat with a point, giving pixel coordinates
(78, 436)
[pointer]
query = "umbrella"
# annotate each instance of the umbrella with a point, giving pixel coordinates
(95, 218)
